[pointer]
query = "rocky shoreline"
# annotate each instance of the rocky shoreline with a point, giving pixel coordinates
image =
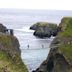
(59, 58)
(45, 29)
(10, 53)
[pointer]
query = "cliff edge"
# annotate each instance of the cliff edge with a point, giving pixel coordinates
(60, 56)
(10, 54)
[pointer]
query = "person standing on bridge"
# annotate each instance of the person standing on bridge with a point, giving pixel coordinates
(42, 46)
(28, 46)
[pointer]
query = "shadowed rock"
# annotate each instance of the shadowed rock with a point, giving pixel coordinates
(59, 58)
(44, 29)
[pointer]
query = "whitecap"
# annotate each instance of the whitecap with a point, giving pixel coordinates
(25, 29)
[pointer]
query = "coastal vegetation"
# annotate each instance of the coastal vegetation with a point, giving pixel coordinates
(60, 56)
(66, 35)
(45, 29)
(10, 53)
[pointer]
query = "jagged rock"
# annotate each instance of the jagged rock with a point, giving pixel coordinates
(60, 56)
(10, 53)
(2, 28)
(41, 33)
(44, 29)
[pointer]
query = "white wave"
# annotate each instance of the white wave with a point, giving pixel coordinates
(24, 29)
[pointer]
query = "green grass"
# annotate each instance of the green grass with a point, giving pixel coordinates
(67, 26)
(44, 24)
(66, 35)
(66, 50)
(15, 65)
(7, 40)
(9, 56)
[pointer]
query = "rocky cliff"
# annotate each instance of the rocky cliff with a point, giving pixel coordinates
(45, 29)
(2, 28)
(60, 56)
(10, 54)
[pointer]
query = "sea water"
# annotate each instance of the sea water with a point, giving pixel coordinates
(32, 51)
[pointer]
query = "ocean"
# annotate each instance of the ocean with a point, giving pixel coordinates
(20, 21)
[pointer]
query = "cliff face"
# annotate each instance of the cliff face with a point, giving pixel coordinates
(2, 28)
(10, 54)
(60, 55)
(44, 29)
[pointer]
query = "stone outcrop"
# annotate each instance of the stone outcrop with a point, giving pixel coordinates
(44, 29)
(60, 56)
(10, 53)
(2, 28)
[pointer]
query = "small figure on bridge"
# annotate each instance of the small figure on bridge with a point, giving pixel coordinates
(28, 46)
(42, 46)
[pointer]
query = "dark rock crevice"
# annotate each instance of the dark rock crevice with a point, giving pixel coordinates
(50, 64)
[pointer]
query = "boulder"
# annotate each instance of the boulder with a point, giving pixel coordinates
(44, 29)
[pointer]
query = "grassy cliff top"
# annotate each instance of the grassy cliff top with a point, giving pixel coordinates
(10, 59)
(11, 65)
(66, 25)
(45, 24)
(66, 36)
(7, 41)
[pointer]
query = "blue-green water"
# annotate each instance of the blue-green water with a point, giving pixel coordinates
(35, 54)
(20, 21)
